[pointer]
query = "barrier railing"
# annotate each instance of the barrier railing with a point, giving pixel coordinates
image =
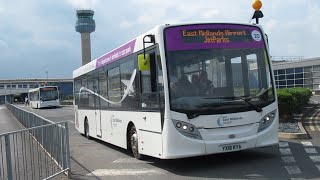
(39, 152)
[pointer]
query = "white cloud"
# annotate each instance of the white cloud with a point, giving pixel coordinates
(83, 4)
(3, 45)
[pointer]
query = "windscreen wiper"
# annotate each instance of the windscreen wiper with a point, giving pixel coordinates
(245, 99)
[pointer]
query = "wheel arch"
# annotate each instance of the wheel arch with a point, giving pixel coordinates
(130, 124)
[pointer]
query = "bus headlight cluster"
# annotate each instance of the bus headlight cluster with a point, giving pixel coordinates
(266, 121)
(187, 129)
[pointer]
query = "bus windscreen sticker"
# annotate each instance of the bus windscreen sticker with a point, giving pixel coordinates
(116, 54)
(213, 36)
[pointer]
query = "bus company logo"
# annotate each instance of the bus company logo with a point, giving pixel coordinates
(224, 120)
(115, 122)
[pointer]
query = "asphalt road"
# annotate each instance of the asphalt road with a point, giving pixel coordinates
(7, 121)
(93, 159)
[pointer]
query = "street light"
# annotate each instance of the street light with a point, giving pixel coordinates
(47, 77)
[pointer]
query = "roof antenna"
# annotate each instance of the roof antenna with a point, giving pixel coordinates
(256, 5)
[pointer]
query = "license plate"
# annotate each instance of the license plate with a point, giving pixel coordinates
(231, 147)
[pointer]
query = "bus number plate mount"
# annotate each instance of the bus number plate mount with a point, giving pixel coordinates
(231, 147)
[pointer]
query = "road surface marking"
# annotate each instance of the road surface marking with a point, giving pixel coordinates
(293, 169)
(315, 158)
(312, 128)
(306, 143)
(128, 160)
(285, 151)
(1, 108)
(311, 150)
(288, 159)
(125, 172)
(283, 144)
(71, 121)
(298, 179)
(318, 166)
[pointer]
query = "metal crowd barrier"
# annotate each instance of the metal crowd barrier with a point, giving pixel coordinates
(39, 152)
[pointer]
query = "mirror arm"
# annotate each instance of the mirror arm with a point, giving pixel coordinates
(152, 40)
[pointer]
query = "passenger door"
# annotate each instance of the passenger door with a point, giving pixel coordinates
(97, 110)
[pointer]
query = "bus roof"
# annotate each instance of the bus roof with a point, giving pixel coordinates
(42, 87)
(136, 45)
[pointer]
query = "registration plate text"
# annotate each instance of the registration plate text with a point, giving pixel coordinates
(232, 147)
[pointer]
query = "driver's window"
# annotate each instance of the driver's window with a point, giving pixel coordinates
(149, 90)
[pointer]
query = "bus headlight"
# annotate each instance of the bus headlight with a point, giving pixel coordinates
(266, 121)
(187, 129)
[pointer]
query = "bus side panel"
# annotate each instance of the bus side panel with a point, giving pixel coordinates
(150, 144)
(33, 104)
(89, 114)
(118, 122)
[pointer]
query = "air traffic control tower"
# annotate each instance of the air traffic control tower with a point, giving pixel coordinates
(85, 25)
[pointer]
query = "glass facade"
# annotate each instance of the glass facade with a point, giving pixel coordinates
(308, 77)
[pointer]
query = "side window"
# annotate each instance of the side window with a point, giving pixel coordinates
(103, 90)
(149, 90)
(84, 98)
(114, 91)
(91, 96)
(132, 99)
(77, 86)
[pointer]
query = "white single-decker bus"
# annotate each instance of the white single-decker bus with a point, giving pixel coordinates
(45, 96)
(181, 90)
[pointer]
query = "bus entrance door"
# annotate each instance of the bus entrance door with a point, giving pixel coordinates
(97, 110)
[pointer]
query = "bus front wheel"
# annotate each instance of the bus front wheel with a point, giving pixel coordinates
(134, 143)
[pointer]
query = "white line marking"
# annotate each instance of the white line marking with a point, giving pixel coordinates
(311, 150)
(318, 127)
(125, 172)
(315, 158)
(318, 166)
(1, 108)
(288, 159)
(71, 121)
(285, 151)
(283, 144)
(127, 160)
(293, 169)
(298, 179)
(306, 143)
(312, 128)
(308, 122)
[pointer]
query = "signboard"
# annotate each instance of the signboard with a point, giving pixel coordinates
(49, 89)
(213, 36)
(116, 54)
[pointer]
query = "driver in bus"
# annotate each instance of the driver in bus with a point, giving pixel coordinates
(183, 88)
(205, 85)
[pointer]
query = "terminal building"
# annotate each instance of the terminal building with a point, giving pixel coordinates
(16, 90)
(298, 73)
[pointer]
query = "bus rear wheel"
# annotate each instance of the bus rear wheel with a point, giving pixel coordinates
(134, 143)
(86, 129)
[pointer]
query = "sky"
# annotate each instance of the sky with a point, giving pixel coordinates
(38, 38)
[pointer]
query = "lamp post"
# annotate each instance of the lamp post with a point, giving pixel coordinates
(5, 94)
(47, 77)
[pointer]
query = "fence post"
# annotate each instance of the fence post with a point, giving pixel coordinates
(8, 157)
(68, 150)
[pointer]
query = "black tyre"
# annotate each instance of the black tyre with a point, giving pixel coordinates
(86, 129)
(134, 143)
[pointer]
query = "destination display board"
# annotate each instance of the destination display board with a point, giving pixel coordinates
(49, 89)
(213, 36)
